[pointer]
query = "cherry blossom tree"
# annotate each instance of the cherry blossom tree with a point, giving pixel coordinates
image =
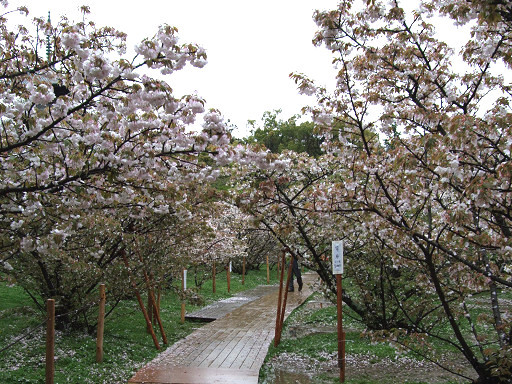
(94, 149)
(421, 131)
(294, 206)
(223, 240)
(261, 245)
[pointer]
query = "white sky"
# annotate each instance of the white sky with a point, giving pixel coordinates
(252, 47)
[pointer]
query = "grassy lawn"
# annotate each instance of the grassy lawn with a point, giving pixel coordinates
(127, 345)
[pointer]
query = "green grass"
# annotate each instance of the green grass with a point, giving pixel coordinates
(316, 345)
(16, 304)
(127, 345)
(324, 347)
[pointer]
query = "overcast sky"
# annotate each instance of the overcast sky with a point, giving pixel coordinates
(252, 47)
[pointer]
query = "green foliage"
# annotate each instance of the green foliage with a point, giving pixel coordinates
(278, 135)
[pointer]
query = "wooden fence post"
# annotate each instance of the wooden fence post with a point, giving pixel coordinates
(101, 325)
(139, 299)
(283, 310)
(50, 341)
(150, 312)
(277, 336)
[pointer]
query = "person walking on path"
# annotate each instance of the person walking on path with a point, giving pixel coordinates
(297, 273)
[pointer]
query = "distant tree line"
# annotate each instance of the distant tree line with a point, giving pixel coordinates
(278, 135)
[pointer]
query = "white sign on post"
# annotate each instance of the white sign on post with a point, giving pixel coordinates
(230, 270)
(185, 279)
(337, 257)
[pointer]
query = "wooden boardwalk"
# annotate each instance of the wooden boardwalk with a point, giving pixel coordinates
(221, 308)
(228, 350)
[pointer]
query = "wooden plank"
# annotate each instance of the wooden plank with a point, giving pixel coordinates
(229, 350)
(257, 354)
(189, 375)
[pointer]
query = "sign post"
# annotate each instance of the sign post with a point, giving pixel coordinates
(228, 275)
(183, 288)
(337, 270)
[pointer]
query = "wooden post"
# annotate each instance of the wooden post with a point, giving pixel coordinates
(283, 310)
(278, 267)
(158, 300)
(277, 336)
(150, 312)
(101, 325)
(268, 271)
(243, 271)
(341, 333)
(213, 277)
(153, 310)
(50, 341)
(141, 303)
(183, 312)
(337, 270)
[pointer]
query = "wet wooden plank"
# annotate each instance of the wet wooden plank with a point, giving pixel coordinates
(219, 343)
(228, 350)
(236, 354)
(257, 354)
(221, 308)
(213, 343)
(194, 375)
